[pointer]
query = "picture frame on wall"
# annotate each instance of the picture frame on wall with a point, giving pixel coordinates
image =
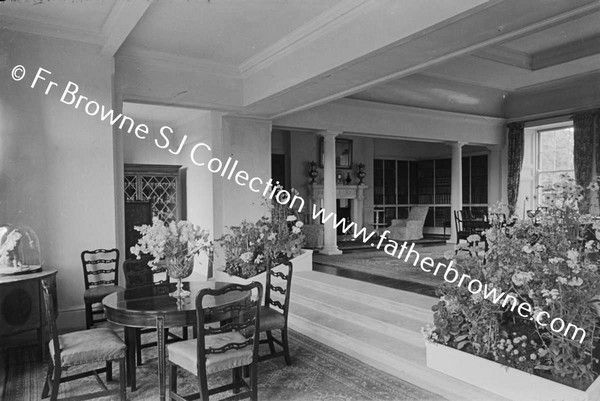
(343, 153)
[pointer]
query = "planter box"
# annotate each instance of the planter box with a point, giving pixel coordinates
(302, 262)
(502, 380)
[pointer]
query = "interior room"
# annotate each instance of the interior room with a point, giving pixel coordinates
(319, 136)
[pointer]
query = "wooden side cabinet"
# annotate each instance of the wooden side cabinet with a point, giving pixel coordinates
(22, 305)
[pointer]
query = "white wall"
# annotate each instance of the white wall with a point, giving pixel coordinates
(56, 163)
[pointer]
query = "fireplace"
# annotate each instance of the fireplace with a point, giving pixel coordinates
(351, 196)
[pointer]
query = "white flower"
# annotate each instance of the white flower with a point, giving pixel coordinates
(291, 217)
(246, 257)
(296, 230)
(299, 224)
(473, 238)
(272, 236)
(561, 280)
(575, 282)
(593, 186)
(522, 278)
(449, 255)
(533, 357)
(527, 248)
(572, 254)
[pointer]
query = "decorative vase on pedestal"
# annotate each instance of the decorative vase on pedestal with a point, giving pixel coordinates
(179, 267)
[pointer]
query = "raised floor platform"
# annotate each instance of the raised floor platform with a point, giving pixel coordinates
(378, 325)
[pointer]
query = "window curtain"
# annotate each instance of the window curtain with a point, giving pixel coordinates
(585, 128)
(516, 139)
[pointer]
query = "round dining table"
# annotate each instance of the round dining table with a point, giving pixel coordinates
(152, 306)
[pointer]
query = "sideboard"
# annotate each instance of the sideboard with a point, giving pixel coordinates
(22, 305)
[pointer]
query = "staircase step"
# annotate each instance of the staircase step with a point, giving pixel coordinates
(394, 325)
(377, 325)
(406, 303)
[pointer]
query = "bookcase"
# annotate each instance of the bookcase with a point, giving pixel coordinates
(400, 184)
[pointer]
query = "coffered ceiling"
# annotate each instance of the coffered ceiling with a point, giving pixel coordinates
(275, 57)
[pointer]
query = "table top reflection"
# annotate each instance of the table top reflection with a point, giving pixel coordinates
(138, 307)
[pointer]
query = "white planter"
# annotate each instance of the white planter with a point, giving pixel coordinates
(502, 380)
(302, 262)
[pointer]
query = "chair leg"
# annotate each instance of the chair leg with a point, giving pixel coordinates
(122, 380)
(203, 385)
(89, 317)
(55, 383)
(286, 348)
(108, 371)
(271, 342)
(138, 346)
(46, 389)
(254, 381)
(236, 377)
(173, 379)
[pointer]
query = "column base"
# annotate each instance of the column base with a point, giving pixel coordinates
(330, 250)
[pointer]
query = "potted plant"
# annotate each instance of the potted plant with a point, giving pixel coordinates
(248, 249)
(548, 261)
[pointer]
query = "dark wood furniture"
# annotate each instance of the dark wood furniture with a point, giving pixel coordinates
(101, 277)
(274, 313)
(137, 213)
(22, 305)
(233, 345)
(137, 274)
(151, 305)
(80, 348)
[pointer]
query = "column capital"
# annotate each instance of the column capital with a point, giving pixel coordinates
(456, 145)
(329, 133)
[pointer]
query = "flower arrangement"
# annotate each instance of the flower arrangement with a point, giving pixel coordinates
(250, 247)
(179, 241)
(549, 261)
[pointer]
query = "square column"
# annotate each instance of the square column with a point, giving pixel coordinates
(329, 192)
(456, 201)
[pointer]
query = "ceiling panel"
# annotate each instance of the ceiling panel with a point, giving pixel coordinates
(83, 15)
(569, 32)
(188, 28)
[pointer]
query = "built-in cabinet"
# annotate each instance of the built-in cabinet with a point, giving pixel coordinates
(400, 184)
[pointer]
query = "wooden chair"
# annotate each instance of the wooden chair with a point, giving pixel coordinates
(101, 277)
(462, 232)
(274, 313)
(231, 345)
(79, 348)
(137, 274)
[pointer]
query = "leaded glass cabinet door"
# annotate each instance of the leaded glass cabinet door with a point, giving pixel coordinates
(162, 185)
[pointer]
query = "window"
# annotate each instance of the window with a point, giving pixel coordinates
(555, 155)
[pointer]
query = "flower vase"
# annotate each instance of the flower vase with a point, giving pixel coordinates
(179, 268)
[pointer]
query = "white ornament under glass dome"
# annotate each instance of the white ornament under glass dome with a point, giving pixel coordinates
(19, 250)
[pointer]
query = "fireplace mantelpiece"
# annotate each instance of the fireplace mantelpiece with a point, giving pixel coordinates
(354, 192)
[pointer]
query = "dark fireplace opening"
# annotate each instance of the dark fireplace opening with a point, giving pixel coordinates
(343, 210)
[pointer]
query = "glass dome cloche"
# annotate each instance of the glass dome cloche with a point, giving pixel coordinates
(19, 250)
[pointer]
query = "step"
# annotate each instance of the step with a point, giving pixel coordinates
(413, 371)
(371, 340)
(388, 323)
(416, 306)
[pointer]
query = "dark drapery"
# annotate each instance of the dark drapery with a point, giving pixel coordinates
(585, 128)
(515, 161)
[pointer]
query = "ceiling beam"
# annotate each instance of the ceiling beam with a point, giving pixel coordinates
(123, 17)
(565, 53)
(504, 55)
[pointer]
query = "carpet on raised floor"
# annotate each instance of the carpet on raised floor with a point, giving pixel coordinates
(318, 372)
(379, 263)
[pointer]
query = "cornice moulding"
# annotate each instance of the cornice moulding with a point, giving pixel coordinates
(319, 26)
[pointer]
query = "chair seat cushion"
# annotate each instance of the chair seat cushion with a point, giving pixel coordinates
(96, 293)
(183, 353)
(88, 346)
(270, 319)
